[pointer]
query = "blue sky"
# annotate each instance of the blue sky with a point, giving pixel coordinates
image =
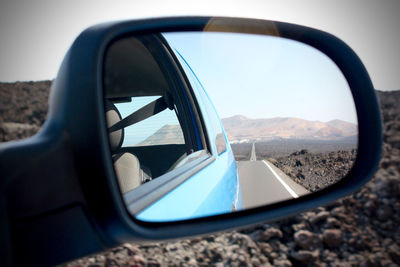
(255, 76)
(264, 77)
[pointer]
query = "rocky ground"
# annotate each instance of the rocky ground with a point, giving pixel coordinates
(23, 108)
(280, 148)
(315, 171)
(359, 230)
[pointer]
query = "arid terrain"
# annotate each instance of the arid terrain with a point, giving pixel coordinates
(23, 108)
(285, 147)
(359, 230)
(314, 164)
(240, 127)
(315, 171)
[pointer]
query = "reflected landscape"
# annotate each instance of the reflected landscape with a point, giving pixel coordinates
(290, 119)
(322, 158)
(253, 120)
(308, 166)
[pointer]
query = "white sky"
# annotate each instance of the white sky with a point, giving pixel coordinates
(35, 35)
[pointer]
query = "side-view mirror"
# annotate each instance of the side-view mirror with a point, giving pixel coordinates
(174, 127)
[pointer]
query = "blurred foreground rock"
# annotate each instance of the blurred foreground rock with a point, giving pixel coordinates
(359, 230)
(23, 109)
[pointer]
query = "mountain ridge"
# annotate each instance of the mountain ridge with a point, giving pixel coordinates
(240, 127)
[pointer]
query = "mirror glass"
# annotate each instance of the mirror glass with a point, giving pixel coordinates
(205, 123)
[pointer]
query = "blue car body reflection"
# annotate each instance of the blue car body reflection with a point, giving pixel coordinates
(213, 190)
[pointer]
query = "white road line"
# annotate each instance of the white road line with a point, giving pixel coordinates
(253, 156)
(290, 190)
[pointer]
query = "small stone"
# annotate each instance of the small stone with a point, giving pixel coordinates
(321, 216)
(354, 260)
(394, 253)
(132, 250)
(307, 240)
(338, 211)
(137, 260)
(332, 237)
(299, 163)
(305, 256)
(369, 207)
(332, 222)
(266, 235)
(370, 261)
(282, 263)
(304, 151)
(300, 175)
(386, 187)
(300, 226)
(387, 225)
(256, 235)
(273, 255)
(387, 242)
(384, 212)
(271, 233)
(255, 262)
(265, 248)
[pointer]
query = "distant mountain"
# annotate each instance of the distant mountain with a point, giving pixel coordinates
(348, 128)
(242, 128)
(168, 134)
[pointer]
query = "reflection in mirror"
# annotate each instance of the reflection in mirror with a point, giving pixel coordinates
(288, 123)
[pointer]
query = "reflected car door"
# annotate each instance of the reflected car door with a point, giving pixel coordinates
(214, 189)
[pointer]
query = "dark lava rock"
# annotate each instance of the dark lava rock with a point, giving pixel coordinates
(384, 212)
(282, 263)
(305, 256)
(23, 109)
(320, 217)
(394, 253)
(332, 237)
(315, 171)
(307, 240)
(266, 235)
(359, 230)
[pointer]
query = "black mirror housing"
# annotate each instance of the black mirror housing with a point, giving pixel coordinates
(66, 200)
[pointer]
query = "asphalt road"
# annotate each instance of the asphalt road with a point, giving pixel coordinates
(262, 183)
(253, 156)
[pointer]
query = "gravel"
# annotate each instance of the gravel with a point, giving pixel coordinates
(23, 108)
(315, 171)
(359, 230)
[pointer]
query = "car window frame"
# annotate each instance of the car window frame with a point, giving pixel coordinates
(166, 66)
(148, 193)
(209, 109)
